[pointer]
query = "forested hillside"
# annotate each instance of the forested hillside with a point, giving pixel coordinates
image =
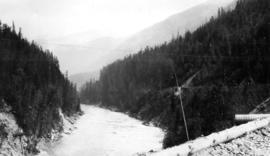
(231, 55)
(32, 84)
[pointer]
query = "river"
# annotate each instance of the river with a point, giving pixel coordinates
(101, 132)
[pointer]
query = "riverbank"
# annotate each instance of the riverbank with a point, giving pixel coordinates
(15, 142)
(12, 140)
(69, 125)
(102, 132)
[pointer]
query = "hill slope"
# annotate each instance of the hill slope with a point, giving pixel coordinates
(160, 32)
(81, 78)
(174, 25)
(231, 55)
(32, 84)
(79, 53)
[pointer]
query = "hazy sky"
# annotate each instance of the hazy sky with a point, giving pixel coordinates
(57, 23)
(118, 18)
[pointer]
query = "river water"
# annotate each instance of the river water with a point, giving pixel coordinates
(102, 132)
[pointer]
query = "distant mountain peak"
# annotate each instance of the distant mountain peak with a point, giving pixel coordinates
(164, 31)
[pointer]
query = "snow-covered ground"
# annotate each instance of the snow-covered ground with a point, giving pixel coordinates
(101, 132)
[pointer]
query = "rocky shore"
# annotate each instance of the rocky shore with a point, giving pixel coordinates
(256, 143)
(68, 124)
(14, 142)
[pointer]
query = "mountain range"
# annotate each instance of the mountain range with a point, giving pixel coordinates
(112, 49)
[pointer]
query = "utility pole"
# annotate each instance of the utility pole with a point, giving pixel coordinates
(179, 93)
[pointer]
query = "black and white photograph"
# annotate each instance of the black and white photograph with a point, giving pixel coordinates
(134, 77)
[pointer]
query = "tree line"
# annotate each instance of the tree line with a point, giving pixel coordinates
(32, 84)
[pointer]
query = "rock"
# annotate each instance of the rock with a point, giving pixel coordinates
(13, 141)
(254, 143)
